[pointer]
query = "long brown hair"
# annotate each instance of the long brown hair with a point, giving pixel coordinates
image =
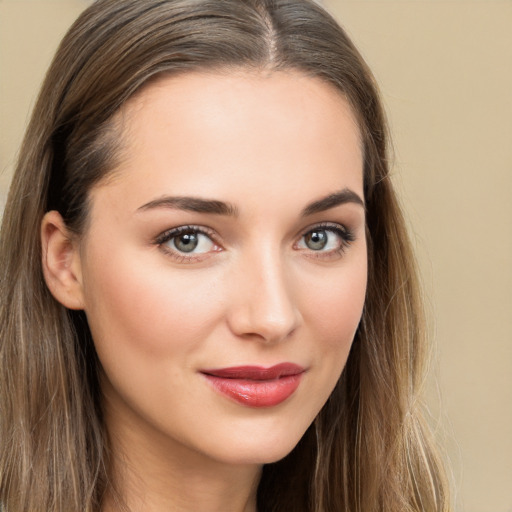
(369, 448)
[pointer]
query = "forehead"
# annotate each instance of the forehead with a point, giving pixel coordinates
(226, 134)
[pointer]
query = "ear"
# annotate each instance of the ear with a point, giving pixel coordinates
(61, 262)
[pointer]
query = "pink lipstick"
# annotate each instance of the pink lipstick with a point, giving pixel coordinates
(256, 386)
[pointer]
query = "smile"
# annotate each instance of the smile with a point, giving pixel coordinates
(256, 386)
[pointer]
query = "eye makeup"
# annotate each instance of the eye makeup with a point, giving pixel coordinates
(191, 243)
(188, 243)
(326, 240)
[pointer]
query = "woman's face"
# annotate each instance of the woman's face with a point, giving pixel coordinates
(223, 271)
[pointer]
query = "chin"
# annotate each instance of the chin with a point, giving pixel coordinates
(263, 446)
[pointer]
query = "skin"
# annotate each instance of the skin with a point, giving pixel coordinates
(253, 293)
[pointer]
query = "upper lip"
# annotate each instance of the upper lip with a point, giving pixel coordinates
(256, 372)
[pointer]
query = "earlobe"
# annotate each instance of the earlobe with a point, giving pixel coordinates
(61, 262)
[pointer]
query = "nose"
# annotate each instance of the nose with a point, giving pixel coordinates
(264, 306)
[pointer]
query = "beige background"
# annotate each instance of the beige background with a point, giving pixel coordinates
(445, 69)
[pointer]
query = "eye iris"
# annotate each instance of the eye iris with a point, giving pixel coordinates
(186, 242)
(316, 240)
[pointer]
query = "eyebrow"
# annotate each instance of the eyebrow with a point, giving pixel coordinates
(199, 205)
(331, 201)
(192, 204)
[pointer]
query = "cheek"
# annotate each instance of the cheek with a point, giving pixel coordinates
(338, 313)
(335, 308)
(332, 307)
(135, 305)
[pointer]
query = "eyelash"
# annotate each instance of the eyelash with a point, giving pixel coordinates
(345, 235)
(171, 234)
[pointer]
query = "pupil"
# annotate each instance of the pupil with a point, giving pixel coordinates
(316, 240)
(186, 242)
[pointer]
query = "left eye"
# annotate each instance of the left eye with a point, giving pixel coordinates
(323, 239)
(189, 241)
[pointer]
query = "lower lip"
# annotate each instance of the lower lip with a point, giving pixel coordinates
(256, 393)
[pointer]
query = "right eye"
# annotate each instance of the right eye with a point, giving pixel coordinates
(191, 242)
(187, 242)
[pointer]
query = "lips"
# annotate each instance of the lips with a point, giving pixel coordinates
(256, 386)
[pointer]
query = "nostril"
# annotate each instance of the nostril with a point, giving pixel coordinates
(264, 325)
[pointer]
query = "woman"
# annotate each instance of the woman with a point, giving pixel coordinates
(208, 297)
